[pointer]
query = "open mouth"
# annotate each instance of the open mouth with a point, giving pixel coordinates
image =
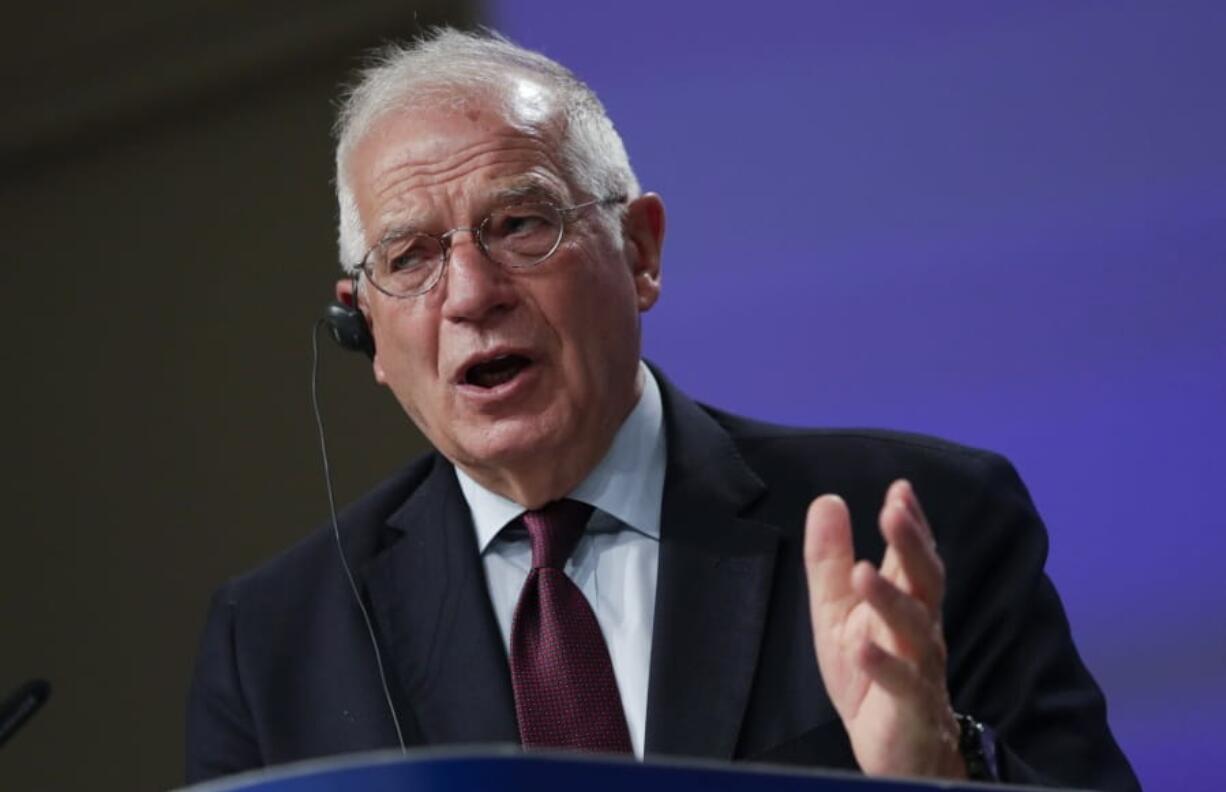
(495, 371)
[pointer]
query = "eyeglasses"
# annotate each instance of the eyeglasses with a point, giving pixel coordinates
(517, 236)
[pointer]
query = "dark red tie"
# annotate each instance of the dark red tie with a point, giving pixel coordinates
(565, 692)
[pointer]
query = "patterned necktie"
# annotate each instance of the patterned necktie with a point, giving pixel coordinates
(565, 692)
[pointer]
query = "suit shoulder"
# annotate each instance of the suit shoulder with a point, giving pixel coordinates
(971, 496)
(313, 559)
(855, 448)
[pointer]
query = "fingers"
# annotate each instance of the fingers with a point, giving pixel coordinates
(879, 641)
(912, 631)
(912, 549)
(829, 557)
(902, 491)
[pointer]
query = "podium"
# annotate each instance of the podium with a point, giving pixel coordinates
(511, 770)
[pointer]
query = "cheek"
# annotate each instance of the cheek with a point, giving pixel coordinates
(603, 284)
(405, 347)
(601, 311)
(612, 304)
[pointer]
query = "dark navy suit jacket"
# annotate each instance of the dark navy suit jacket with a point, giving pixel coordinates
(286, 669)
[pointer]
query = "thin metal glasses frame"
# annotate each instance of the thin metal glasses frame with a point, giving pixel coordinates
(444, 242)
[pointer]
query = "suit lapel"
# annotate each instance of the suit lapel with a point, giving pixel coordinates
(429, 600)
(714, 587)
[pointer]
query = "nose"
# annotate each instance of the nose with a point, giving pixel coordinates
(476, 288)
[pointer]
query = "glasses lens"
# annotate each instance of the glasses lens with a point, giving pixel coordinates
(522, 235)
(407, 264)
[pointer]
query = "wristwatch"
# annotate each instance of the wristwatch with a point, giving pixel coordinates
(977, 744)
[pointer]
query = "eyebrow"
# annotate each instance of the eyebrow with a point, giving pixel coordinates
(532, 190)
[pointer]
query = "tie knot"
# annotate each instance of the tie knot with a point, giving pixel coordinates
(555, 530)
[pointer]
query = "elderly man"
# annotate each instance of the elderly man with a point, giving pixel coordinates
(590, 559)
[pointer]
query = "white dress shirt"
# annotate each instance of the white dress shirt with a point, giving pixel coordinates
(614, 564)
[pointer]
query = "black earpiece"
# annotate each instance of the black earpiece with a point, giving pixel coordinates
(348, 327)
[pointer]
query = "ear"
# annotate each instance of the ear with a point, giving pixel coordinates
(644, 230)
(345, 293)
(348, 293)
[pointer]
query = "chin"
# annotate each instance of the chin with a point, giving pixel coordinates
(506, 442)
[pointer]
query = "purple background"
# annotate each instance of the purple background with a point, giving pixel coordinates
(999, 223)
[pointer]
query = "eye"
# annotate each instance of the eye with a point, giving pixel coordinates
(409, 253)
(522, 220)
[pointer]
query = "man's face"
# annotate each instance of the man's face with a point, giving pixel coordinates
(503, 369)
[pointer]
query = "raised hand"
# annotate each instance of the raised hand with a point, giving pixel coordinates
(878, 636)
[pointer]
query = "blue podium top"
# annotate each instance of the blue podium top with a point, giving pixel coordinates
(510, 770)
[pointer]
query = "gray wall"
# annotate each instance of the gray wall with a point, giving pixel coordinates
(167, 225)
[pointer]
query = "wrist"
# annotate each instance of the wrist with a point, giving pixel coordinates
(950, 763)
(976, 749)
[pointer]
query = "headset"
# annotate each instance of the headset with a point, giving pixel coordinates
(348, 327)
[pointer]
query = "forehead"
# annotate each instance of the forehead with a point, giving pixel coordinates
(431, 163)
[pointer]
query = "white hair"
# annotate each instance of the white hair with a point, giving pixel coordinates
(449, 65)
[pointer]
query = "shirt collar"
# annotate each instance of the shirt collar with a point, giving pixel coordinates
(627, 484)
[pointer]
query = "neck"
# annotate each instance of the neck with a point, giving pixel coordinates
(536, 486)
